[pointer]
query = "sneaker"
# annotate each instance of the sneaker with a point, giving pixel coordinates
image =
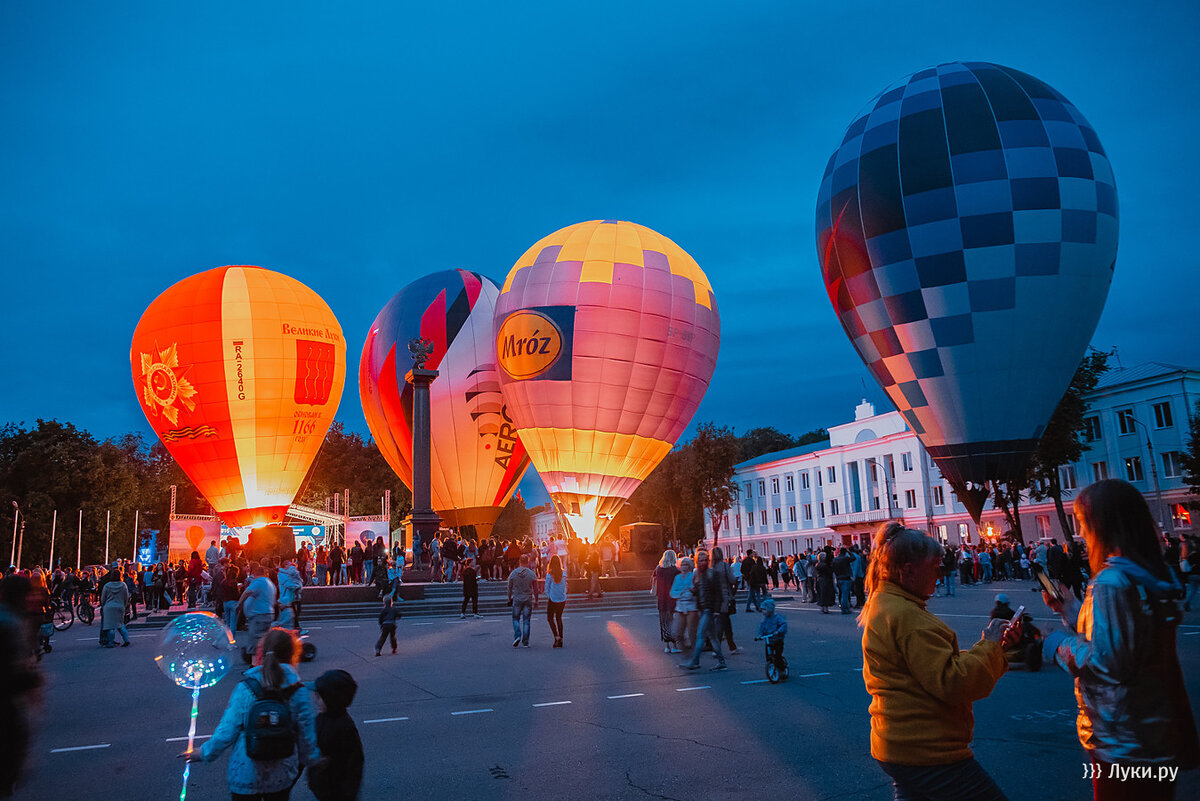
(126, 644)
(478, 615)
(689, 666)
(393, 650)
(525, 644)
(517, 642)
(379, 654)
(718, 668)
(735, 650)
(666, 649)
(462, 616)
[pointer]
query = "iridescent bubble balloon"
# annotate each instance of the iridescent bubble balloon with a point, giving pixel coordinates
(196, 650)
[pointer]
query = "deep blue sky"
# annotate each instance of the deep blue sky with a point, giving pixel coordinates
(357, 147)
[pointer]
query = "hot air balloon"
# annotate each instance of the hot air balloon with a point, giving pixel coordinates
(606, 336)
(967, 232)
(239, 371)
(477, 460)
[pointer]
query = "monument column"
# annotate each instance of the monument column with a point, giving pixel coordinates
(423, 520)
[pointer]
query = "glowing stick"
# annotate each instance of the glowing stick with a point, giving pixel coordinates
(187, 763)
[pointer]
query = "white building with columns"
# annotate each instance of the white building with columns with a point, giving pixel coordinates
(874, 469)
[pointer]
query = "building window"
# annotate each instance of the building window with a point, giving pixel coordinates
(1091, 428)
(822, 509)
(762, 487)
(804, 480)
(749, 519)
(832, 475)
(874, 502)
(726, 524)
(1181, 516)
(1066, 476)
(1043, 524)
(774, 486)
(1126, 423)
(808, 511)
(792, 514)
(1172, 466)
(763, 516)
(1133, 468)
(1099, 471)
(910, 499)
(943, 536)
(964, 533)
(939, 496)
(819, 482)
(833, 506)
(1162, 415)
(906, 462)
(778, 516)
(789, 483)
(874, 475)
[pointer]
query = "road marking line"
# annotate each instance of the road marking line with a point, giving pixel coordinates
(472, 711)
(755, 681)
(383, 720)
(422, 624)
(620, 615)
(347, 627)
(552, 703)
(79, 748)
(591, 615)
(1190, 633)
(810, 675)
(627, 695)
(184, 739)
(689, 689)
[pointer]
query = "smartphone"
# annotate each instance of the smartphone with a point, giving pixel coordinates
(1049, 586)
(1016, 618)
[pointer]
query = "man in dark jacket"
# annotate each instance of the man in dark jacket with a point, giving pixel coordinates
(755, 576)
(711, 600)
(842, 573)
(337, 776)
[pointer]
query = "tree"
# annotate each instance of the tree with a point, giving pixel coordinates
(715, 451)
(668, 494)
(347, 461)
(1190, 459)
(757, 441)
(1063, 441)
(513, 522)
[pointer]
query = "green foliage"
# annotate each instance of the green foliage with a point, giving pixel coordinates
(1190, 459)
(514, 521)
(347, 461)
(668, 496)
(759, 441)
(715, 452)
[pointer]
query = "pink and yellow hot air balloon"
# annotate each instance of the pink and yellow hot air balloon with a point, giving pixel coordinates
(606, 336)
(239, 371)
(476, 458)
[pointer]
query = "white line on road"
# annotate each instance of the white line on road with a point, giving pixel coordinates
(810, 675)
(79, 748)
(755, 681)
(552, 703)
(383, 720)
(689, 689)
(472, 711)
(423, 624)
(1190, 633)
(620, 615)
(591, 615)
(347, 627)
(627, 695)
(184, 739)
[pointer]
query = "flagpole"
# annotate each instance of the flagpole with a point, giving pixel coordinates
(107, 521)
(136, 514)
(79, 543)
(53, 528)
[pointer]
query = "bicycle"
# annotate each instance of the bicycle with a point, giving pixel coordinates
(777, 666)
(62, 616)
(84, 608)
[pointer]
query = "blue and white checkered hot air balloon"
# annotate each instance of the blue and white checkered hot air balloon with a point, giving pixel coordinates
(967, 233)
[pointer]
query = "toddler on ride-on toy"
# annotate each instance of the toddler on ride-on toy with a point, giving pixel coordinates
(773, 629)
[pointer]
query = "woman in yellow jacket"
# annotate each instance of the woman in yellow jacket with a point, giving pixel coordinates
(921, 685)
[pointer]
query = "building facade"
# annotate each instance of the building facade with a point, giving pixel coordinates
(874, 469)
(545, 523)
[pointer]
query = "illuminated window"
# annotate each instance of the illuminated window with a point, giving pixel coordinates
(789, 483)
(1133, 468)
(964, 533)
(1126, 422)
(1172, 465)
(1043, 524)
(910, 499)
(906, 462)
(1099, 471)
(1091, 429)
(939, 496)
(1162, 415)
(774, 486)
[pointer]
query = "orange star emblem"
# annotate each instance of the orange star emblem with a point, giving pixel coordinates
(162, 389)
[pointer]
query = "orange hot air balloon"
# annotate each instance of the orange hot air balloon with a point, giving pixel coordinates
(239, 371)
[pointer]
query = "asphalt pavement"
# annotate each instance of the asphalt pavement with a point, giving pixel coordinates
(461, 714)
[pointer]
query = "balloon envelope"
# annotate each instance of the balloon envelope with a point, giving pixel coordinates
(967, 232)
(606, 336)
(239, 371)
(477, 460)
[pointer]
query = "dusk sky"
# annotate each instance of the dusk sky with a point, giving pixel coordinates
(359, 146)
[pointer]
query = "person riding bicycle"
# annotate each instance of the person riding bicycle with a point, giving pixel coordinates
(773, 627)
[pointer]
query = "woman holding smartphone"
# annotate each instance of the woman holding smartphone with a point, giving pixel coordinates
(1120, 647)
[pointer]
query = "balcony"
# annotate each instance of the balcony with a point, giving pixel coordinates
(860, 520)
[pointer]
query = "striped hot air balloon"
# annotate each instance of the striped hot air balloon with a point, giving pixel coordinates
(606, 337)
(477, 459)
(240, 371)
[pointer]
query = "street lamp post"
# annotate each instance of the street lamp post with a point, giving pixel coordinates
(12, 557)
(1163, 518)
(737, 492)
(887, 484)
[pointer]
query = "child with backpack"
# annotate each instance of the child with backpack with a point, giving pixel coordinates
(270, 722)
(338, 775)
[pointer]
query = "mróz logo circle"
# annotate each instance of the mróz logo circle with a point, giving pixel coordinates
(528, 344)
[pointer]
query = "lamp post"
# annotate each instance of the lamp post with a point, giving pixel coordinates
(1163, 519)
(737, 492)
(887, 484)
(12, 557)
